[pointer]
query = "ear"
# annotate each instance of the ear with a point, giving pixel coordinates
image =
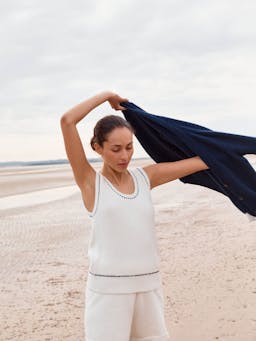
(98, 148)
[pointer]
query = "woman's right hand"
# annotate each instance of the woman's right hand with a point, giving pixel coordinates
(115, 101)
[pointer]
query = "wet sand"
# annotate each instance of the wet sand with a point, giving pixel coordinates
(207, 248)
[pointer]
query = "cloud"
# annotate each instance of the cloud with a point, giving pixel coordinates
(189, 60)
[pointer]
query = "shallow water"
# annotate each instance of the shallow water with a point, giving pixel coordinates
(37, 197)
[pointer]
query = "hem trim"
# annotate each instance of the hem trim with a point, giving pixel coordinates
(149, 273)
(164, 337)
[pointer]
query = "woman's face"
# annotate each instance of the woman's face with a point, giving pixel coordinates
(117, 150)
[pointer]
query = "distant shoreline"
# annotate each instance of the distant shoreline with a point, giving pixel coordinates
(250, 157)
(49, 162)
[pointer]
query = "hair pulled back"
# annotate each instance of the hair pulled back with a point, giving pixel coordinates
(105, 126)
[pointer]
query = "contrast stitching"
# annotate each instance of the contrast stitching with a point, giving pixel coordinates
(125, 196)
(96, 197)
(149, 273)
(144, 176)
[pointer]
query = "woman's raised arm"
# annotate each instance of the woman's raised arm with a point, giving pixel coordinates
(82, 170)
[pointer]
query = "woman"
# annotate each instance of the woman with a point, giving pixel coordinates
(124, 295)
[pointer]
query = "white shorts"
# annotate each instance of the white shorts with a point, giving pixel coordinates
(125, 317)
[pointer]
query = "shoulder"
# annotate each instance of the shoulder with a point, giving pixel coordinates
(143, 174)
(153, 172)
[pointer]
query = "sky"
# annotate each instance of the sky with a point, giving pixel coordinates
(189, 60)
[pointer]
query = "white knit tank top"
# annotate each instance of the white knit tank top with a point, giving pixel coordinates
(123, 252)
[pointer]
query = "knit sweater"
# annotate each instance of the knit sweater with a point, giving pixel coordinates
(123, 252)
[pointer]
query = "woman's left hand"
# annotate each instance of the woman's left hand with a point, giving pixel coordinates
(115, 101)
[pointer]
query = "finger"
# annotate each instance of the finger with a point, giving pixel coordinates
(121, 108)
(122, 99)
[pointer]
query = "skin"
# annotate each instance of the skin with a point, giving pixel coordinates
(116, 154)
(117, 149)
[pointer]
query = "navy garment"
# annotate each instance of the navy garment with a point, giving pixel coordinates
(166, 139)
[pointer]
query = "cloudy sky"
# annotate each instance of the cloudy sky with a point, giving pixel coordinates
(191, 60)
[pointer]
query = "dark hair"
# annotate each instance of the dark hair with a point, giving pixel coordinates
(105, 125)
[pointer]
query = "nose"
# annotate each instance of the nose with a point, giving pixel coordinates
(125, 155)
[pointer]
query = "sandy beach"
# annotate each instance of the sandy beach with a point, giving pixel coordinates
(207, 248)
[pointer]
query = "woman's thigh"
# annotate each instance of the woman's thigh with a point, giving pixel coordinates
(108, 317)
(148, 317)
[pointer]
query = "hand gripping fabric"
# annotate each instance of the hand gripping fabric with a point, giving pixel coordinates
(166, 139)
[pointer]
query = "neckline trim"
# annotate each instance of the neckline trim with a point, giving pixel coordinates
(124, 195)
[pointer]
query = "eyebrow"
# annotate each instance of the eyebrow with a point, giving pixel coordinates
(119, 145)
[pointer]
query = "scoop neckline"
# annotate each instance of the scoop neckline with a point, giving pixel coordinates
(130, 195)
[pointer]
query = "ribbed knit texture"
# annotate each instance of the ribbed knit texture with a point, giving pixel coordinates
(123, 251)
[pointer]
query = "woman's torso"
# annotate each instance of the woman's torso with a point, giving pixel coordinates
(123, 252)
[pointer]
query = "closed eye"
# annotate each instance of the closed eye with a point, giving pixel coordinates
(129, 147)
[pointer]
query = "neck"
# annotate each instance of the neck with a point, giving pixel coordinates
(113, 175)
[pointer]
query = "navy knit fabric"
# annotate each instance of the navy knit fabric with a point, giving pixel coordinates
(166, 139)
